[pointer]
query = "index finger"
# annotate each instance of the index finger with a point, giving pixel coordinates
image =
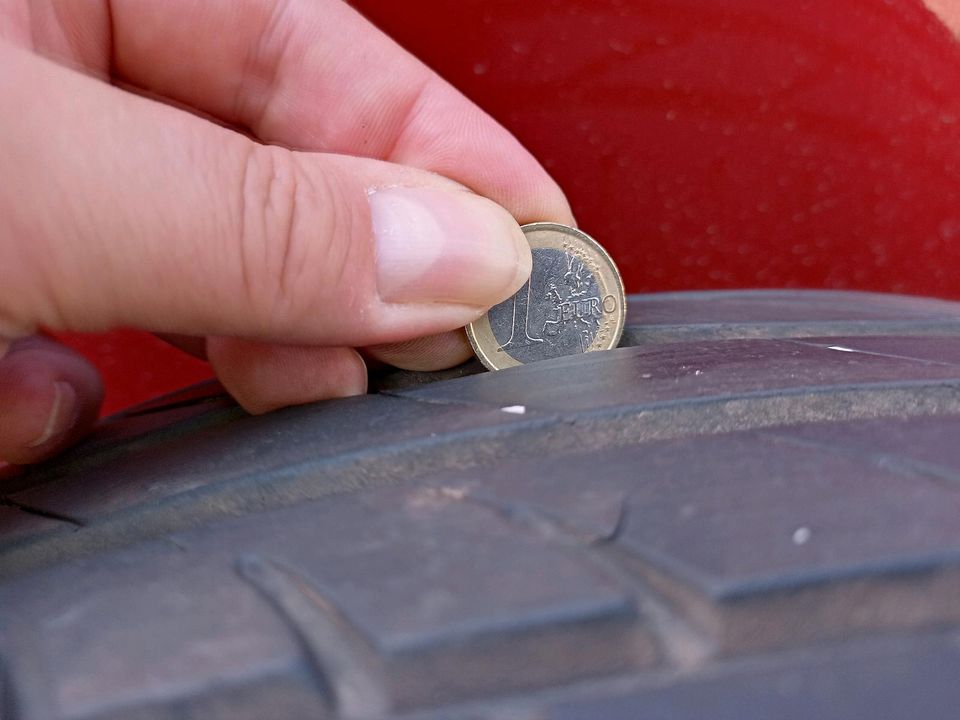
(315, 75)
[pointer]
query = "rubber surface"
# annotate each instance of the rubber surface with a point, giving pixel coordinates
(749, 511)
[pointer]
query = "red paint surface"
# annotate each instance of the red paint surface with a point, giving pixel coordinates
(706, 143)
(136, 366)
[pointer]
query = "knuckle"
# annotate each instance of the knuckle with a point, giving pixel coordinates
(273, 240)
(297, 225)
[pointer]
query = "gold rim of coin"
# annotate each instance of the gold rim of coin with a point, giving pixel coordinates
(613, 302)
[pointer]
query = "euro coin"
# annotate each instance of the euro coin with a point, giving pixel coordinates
(573, 303)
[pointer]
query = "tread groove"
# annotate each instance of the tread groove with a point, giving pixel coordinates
(341, 656)
(40, 512)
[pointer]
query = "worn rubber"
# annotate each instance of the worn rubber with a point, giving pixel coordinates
(752, 510)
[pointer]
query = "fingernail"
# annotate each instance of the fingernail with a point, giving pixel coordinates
(446, 246)
(62, 416)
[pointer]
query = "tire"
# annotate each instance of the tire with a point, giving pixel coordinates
(750, 510)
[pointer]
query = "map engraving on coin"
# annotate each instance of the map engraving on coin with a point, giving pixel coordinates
(573, 303)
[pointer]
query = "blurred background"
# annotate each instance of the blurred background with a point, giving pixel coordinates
(706, 143)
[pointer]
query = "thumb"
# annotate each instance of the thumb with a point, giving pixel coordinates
(129, 212)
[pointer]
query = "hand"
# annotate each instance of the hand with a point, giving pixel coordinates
(274, 178)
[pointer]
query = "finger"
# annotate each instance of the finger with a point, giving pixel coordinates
(263, 377)
(311, 75)
(434, 352)
(129, 212)
(948, 11)
(49, 397)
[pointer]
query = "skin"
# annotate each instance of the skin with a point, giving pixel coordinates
(212, 172)
(948, 11)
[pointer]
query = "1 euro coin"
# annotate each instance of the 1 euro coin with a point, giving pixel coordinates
(573, 303)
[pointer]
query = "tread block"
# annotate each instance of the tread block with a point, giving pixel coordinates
(117, 635)
(636, 377)
(118, 479)
(449, 599)
(922, 447)
(746, 530)
(870, 681)
(456, 600)
(290, 696)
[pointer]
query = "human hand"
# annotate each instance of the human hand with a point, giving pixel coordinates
(339, 216)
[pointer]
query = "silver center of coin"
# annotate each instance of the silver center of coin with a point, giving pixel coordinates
(556, 313)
